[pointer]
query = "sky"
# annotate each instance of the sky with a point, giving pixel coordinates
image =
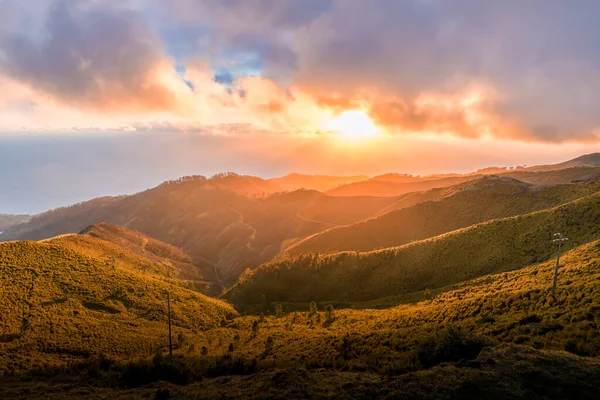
(102, 97)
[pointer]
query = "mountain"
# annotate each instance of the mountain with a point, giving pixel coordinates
(394, 184)
(500, 336)
(553, 177)
(320, 183)
(73, 297)
(457, 207)
(201, 277)
(588, 160)
(221, 229)
(8, 220)
(384, 187)
(486, 248)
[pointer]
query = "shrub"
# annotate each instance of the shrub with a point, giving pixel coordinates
(329, 313)
(446, 345)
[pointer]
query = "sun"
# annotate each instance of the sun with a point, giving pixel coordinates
(353, 125)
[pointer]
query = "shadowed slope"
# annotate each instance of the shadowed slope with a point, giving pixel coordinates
(219, 228)
(167, 258)
(437, 348)
(482, 249)
(383, 187)
(458, 207)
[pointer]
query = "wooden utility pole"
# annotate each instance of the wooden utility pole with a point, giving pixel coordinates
(170, 338)
(169, 301)
(559, 239)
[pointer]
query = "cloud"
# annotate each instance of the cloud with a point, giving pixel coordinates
(510, 69)
(538, 58)
(100, 58)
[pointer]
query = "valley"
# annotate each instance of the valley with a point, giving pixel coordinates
(306, 294)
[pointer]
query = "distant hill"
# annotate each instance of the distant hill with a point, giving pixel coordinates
(321, 183)
(457, 207)
(393, 184)
(384, 187)
(218, 227)
(8, 220)
(487, 248)
(65, 300)
(553, 177)
(588, 160)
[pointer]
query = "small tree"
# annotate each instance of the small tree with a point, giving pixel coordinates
(312, 308)
(279, 310)
(255, 325)
(329, 313)
(345, 347)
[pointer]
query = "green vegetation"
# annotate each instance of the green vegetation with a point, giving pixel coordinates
(407, 350)
(151, 254)
(462, 308)
(486, 248)
(60, 304)
(222, 228)
(458, 207)
(573, 174)
(383, 187)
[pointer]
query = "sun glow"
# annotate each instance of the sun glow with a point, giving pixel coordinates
(353, 125)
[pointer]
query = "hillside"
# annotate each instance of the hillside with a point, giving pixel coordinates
(553, 177)
(588, 160)
(502, 372)
(389, 188)
(487, 248)
(219, 228)
(148, 250)
(500, 336)
(320, 183)
(8, 220)
(457, 207)
(62, 302)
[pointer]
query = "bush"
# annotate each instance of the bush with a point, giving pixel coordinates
(447, 345)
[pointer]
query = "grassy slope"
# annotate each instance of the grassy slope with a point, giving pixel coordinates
(62, 302)
(514, 307)
(219, 228)
(386, 188)
(503, 372)
(482, 249)
(169, 258)
(314, 182)
(567, 175)
(461, 206)
(587, 160)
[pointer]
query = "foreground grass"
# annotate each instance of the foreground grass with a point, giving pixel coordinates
(513, 307)
(502, 372)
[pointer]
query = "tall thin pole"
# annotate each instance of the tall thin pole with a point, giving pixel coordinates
(170, 340)
(559, 239)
